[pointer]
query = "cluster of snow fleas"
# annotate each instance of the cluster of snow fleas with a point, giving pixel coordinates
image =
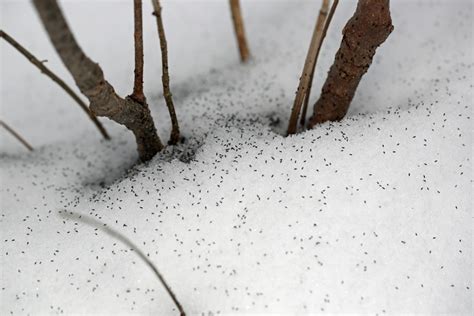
(369, 215)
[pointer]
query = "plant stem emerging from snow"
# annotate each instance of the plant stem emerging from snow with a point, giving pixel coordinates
(323, 14)
(16, 135)
(165, 78)
(90, 79)
(306, 78)
(368, 28)
(137, 94)
(239, 29)
(88, 220)
(45, 70)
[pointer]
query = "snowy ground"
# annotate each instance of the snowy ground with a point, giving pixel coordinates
(370, 215)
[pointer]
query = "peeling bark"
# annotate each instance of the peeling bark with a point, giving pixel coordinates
(368, 28)
(90, 79)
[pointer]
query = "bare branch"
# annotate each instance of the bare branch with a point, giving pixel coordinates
(45, 70)
(119, 236)
(368, 28)
(309, 65)
(137, 94)
(165, 78)
(322, 15)
(239, 29)
(90, 79)
(16, 135)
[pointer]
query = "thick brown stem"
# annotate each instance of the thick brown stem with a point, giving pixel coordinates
(137, 94)
(322, 15)
(45, 70)
(16, 135)
(165, 78)
(309, 66)
(90, 80)
(368, 28)
(239, 29)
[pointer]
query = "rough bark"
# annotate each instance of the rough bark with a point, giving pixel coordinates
(239, 29)
(45, 70)
(90, 80)
(165, 77)
(368, 28)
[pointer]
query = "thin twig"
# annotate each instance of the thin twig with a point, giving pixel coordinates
(56, 79)
(165, 78)
(310, 63)
(239, 29)
(90, 79)
(16, 135)
(323, 16)
(137, 94)
(88, 220)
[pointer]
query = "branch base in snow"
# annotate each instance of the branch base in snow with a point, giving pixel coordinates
(368, 28)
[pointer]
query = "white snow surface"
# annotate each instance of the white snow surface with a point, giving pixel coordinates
(371, 215)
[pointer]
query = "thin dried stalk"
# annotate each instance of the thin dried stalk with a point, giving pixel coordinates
(16, 135)
(137, 94)
(310, 64)
(90, 79)
(239, 29)
(323, 14)
(165, 78)
(117, 235)
(40, 65)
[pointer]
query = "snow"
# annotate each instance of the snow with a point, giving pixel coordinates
(370, 215)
